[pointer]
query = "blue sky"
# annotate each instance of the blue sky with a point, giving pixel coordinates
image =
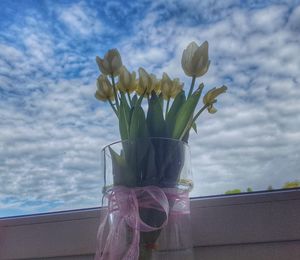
(52, 128)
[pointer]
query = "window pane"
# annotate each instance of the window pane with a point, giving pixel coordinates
(52, 128)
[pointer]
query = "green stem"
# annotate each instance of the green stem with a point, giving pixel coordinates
(115, 91)
(113, 107)
(192, 86)
(129, 98)
(189, 125)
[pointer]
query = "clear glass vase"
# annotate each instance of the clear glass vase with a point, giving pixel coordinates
(146, 191)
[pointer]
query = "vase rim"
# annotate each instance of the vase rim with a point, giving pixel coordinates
(140, 139)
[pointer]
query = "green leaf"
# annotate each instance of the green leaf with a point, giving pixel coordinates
(124, 117)
(138, 124)
(155, 117)
(137, 128)
(186, 135)
(161, 100)
(185, 114)
(134, 100)
(121, 172)
(138, 103)
(172, 114)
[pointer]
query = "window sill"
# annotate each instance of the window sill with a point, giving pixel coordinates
(248, 226)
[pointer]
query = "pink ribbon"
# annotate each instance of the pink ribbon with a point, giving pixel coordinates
(123, 207)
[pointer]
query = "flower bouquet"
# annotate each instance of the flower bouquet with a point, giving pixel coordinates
(148, 169)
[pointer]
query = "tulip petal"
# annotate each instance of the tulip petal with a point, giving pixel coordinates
(211, 109)
(102, 67)
(111, 63)
(187, 57)
(194, 59)
(116, 64)
(100, 96)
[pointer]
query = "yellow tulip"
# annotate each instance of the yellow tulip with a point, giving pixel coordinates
(104, 89)
(111, 63)
(156, 84)
(170, 88)
(146, 83)
(210, 98)
(177, 86)
(194, 61)
(127, 80)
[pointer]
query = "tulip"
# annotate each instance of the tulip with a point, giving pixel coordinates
(147, 82)
(127, 80)
(104, 89)
(111, 63)
(166, 86)
(156, 84)
(195, 60)
(210, 98)
(170, 88)
(177, 86)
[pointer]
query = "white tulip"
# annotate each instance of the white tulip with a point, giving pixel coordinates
(194, 61)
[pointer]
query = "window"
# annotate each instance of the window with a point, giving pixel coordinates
(52, 128)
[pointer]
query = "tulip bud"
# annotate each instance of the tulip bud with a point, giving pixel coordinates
(195, 60)
(111, 63)
(210, 98)
(104, 89)
(127, 81)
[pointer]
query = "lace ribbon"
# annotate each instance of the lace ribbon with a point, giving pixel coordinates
(123, 206)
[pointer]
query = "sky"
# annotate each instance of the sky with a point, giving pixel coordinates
(52, 128)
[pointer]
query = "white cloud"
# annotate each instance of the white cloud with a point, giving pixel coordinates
(246, 142)
(54, 155)
(52, 128)
(80, 19)
(269, 19)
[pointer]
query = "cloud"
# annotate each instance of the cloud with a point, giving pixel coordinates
(247, 141)
(52, 154)
(294, 20)
(52, 128)
(80, 19)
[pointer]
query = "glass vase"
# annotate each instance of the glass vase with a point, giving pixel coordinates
(146, 194)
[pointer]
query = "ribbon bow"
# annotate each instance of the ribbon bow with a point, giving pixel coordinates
(123, 206)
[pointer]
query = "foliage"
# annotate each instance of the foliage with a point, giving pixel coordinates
(171, 112)
(287, 185)
(291, 184)
(235, 191)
